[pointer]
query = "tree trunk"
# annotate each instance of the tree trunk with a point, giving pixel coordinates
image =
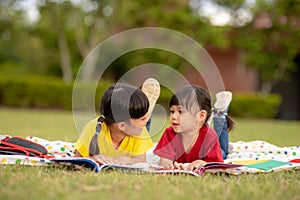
(57, 21)
(266, 88)
(64, 57)
(87, 54)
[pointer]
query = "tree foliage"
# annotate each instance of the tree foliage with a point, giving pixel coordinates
(271, 41)
(172, 14)
(67, 31)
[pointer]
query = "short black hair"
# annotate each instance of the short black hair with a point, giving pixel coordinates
(122, 102)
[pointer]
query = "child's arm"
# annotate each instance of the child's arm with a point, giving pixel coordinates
(128, 160)
(121, 160)
(101, 159)
(165, 162)
(77, 154)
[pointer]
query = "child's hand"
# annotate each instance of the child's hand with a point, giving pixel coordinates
(102, 159)
(177, 165)
(196, 165)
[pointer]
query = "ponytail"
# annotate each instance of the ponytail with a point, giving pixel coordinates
(230, 123)
(94, 147)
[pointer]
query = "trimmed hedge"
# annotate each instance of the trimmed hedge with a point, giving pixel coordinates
(255, 105)
(41, 92)
(34, 92)
(243, 105)
(52, 93)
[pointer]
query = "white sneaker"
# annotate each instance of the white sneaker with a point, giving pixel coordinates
(221, 105)
(223, 100)
(151, 88)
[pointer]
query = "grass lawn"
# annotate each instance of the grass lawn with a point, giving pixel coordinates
(23, 182)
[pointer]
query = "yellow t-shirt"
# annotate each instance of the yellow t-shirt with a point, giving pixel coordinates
(130, 146)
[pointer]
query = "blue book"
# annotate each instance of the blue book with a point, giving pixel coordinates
(94, 166)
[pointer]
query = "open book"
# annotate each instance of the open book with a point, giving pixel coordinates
(94, 166)
(138, 167)
(218, 165)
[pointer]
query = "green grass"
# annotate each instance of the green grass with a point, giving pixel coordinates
(280, 133)
(23, 182)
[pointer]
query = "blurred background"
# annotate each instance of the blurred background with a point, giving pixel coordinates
(254, 43)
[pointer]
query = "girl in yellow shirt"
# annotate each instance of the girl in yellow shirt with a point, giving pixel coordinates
(119, 135)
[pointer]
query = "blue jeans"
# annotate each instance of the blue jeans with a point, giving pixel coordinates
(220, 126)
(149, 123)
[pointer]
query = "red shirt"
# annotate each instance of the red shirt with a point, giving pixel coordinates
(206, 147)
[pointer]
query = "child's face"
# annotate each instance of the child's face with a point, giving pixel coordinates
(135, 127)
(181, 120)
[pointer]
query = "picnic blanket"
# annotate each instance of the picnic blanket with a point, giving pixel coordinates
(260, 156)
(255, 156)
(56, 149)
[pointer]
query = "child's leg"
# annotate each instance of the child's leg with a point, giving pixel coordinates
(149, 123)
(220, 126)
(219, 118)
(151, 88)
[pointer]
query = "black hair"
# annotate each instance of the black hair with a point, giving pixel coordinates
(193, 99)
(189, 95)
(120, 103)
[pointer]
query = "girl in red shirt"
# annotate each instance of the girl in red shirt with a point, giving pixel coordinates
(189, 139)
